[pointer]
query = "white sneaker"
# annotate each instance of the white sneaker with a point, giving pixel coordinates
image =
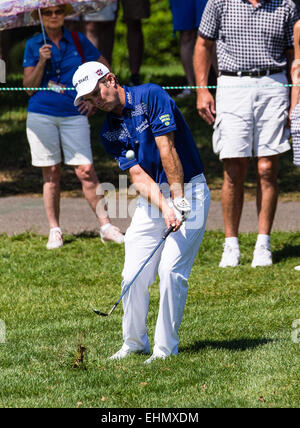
(112, 234)
(55, 239)
(262, 256)
(155, 357)
(230, 257)
(123, 353)
(297, 267)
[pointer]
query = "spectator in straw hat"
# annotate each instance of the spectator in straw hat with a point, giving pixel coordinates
(54, 125)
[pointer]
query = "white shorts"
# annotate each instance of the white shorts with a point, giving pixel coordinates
(49, 136)
(251, 121)
(108, 13)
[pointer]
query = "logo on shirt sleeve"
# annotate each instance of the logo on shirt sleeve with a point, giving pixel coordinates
(165, 119)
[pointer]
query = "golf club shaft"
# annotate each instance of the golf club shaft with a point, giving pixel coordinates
(166, 234)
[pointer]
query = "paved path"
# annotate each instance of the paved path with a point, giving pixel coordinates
(20, 214)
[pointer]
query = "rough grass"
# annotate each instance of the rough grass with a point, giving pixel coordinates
(236, 348)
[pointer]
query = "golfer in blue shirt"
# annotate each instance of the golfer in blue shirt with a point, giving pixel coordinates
(166, 170)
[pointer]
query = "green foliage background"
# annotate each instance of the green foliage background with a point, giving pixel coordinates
(160, 45)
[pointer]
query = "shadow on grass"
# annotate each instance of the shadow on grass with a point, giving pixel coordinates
(289, 251)
(232, 345)
(69, 239)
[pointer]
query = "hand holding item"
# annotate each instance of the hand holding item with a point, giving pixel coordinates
(183, 206)
(45, 53)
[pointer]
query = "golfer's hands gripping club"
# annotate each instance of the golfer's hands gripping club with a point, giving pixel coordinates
(174, 216)
(170, 218)
(183, 207)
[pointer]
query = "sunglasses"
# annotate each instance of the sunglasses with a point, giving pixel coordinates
(49, 13)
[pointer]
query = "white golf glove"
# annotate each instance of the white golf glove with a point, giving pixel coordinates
(183, 206)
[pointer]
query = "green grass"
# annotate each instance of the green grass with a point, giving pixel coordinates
(236, 348)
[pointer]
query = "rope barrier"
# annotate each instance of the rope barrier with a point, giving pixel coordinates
(274, 85)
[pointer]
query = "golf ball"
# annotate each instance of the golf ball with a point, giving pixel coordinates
(130, 154)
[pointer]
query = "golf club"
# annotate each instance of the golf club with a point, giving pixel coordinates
(166, 234)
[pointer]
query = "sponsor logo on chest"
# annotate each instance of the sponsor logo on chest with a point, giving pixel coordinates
(143, 126)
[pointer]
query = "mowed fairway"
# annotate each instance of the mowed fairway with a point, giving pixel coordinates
(236, 346)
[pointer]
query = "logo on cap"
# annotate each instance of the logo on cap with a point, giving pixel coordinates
(81, 81)
(99, 72)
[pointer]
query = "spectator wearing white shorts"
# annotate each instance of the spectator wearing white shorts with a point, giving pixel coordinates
(254, 41)
(295, 103)
(54, 125)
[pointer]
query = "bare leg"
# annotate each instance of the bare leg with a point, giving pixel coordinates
(135, 43)
(51, 193)
(187, 44)
(102, 35)
(235, 171)
(267, 192)
(90, 187)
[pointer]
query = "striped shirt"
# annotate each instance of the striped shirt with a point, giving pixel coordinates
(249, 37)
(295, 131)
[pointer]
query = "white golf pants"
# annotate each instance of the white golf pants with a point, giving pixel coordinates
(173, 262)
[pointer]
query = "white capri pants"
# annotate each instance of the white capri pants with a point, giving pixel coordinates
(173, 262)
(49, 136)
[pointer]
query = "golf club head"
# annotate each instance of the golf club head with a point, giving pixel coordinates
(101, 314)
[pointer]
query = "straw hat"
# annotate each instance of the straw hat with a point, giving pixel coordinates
(69, 10)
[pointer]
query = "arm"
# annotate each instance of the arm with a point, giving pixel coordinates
(148, 189)
(202, 64)
(171, 164)
(295, 69)
(33, 75)
(290, 56)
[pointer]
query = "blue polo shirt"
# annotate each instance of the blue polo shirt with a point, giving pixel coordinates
(187, 14)
(64, 60)
(149, 112)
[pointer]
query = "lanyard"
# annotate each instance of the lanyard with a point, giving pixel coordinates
(57, 64)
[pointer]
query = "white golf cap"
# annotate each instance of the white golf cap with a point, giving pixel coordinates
(86, 77)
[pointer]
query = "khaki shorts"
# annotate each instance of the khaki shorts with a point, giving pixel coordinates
(49, 136)
(136, 9)
(251, 121)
